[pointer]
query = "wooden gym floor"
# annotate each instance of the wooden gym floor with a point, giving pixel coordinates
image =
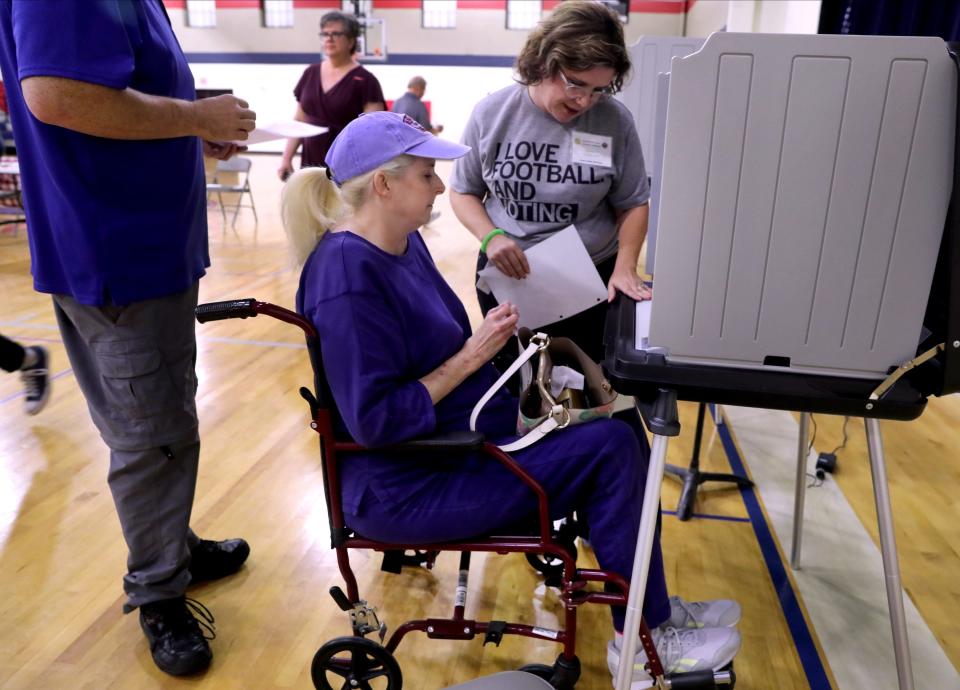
(62, 554)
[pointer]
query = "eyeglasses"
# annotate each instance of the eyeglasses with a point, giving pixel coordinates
(332, 34)
(579, 91)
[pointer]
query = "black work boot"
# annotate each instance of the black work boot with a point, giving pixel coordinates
(177, 642)
(211, 560)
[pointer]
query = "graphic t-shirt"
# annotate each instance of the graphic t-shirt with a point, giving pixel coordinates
(536, 176)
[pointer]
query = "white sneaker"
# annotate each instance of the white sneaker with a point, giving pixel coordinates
(716, 613)
(680, 651)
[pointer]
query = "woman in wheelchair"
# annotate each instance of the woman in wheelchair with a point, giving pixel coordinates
(402, 362)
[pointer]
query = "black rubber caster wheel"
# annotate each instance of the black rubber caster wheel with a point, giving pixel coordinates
(550, 566)
(538, 670)
(355, 663)
(565, 534)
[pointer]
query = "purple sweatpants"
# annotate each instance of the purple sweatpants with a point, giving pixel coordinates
(598, 469)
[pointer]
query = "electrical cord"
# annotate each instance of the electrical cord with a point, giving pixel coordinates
(843, 444)
(813, 437)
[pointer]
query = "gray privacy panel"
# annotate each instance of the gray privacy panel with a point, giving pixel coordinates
(655, 167)
(804, 192)
(649, 56)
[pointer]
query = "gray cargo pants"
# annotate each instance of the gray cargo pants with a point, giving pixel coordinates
(135, 366)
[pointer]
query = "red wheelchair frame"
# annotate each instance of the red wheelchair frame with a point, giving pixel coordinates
(367, 659)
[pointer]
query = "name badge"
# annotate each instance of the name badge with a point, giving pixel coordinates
(592, 149)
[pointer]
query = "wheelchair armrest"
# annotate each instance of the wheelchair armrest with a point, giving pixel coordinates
(454, 440)
(457, 441)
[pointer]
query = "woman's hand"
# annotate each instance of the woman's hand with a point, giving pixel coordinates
(285, 170)
(507, 255)
(479, 349)
(626, 280)
(499, 324)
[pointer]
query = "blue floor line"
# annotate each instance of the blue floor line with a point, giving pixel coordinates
(802, 639)
(707, 516)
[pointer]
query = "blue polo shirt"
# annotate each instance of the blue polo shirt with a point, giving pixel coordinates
(108, 220)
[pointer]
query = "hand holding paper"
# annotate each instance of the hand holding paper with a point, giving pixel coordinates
(288, 129)
(562, 281)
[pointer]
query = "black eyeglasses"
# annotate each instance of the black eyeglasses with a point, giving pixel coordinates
(579, 91)
(332, 34)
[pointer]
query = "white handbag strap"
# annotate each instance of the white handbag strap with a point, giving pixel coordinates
(556, 418)
(519, 362)
(552, 422)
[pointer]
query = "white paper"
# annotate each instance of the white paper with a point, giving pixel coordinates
(562, 281)
(282, 130)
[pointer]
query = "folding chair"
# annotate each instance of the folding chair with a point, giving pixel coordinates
(11, 202)
(241, 167)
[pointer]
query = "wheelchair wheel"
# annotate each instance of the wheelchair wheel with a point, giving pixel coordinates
(355, 662)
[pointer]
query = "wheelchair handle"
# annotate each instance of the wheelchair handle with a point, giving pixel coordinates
(230, 309)
(244, 308)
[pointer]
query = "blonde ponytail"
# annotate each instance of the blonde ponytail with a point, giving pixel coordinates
(309, 205)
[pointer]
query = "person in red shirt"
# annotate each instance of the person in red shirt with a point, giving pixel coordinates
(333, 92)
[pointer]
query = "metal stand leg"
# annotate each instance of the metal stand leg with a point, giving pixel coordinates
(803, 450)
(641, 562)
(888, 549)
(692, 477)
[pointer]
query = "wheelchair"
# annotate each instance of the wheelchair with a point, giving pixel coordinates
(357, 660)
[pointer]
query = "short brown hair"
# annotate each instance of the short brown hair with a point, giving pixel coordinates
(350, 25)
(579, 35)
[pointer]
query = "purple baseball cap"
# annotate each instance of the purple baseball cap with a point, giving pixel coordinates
(375, 138)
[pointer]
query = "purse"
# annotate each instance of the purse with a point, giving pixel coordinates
(565, 387)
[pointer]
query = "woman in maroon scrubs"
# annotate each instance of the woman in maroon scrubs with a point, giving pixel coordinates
(333, 92)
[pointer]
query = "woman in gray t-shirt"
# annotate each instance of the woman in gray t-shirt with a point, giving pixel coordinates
(555, 150)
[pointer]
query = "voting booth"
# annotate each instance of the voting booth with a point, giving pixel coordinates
(806, 239)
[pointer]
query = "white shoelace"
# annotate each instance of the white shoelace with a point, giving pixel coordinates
(688, 609)
(673, 644)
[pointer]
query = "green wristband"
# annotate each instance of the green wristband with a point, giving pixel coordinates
(490, 235)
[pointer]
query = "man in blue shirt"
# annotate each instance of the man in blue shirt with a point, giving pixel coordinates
(110, 136)
(411, 103)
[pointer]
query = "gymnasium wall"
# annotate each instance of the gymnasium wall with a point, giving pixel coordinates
(461, 65)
